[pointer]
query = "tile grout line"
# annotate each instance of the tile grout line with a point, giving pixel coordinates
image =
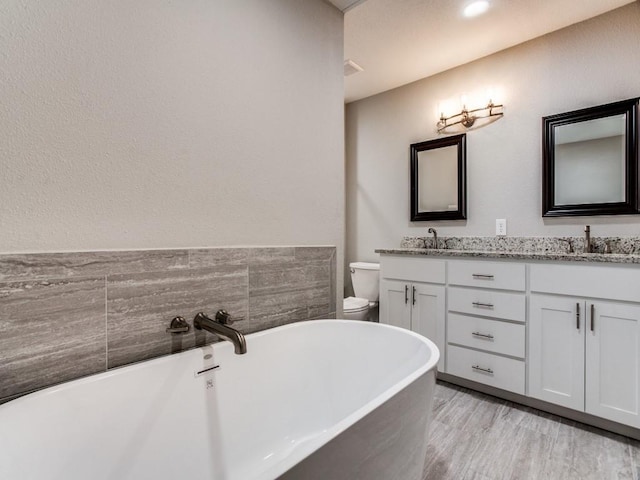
(635, 469)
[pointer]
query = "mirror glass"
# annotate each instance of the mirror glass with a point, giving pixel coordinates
(590, 160)
(437, 179)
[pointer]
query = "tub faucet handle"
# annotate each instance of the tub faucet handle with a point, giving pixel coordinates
(178, 325)
(223, 317)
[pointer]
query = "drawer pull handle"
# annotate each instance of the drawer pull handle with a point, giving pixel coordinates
(478, 368)
(578, 316)
(413, 296)
(483, 335)
(406, 294)
(482, 276)
(482, 305)
(593, 314)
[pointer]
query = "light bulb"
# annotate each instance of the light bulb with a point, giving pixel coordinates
(476, 8)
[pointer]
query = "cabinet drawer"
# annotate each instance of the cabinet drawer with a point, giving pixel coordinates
(620, 282)
(505, 276)
(499, 372)
(412, 268)
(490, 335)
(509, 306)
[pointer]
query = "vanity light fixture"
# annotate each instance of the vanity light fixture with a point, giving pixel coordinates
(467, 118)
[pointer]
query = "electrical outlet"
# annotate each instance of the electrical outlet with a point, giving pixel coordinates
(501, 227)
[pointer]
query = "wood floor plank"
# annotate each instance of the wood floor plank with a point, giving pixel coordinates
(478, 437)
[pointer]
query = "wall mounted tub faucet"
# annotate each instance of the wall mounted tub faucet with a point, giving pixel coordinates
(220, 327)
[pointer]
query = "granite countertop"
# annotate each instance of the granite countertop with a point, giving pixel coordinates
(553, 256)
(624, 249)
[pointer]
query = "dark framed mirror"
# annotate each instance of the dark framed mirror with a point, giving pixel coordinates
(590, 161)
(438, 179)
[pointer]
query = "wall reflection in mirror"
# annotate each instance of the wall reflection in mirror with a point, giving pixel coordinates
(438, 183)
(590, 161)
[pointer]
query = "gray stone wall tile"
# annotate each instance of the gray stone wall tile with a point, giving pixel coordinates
(61, 319)
(272, 310)
(271, 255)
(287, 277)
(210, 257)
(333, 278)
(330, 316)
(50, 331)
(314, 253)
(280, 308)
(87, 264)
(140, 307)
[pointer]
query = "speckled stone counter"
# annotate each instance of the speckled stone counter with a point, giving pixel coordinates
(624, 249)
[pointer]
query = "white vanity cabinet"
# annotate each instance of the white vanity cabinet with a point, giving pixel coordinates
(556, 333)
(584, 339)
(486, 313)
(412, 296)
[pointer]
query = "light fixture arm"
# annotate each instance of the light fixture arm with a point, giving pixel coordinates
(467, 118)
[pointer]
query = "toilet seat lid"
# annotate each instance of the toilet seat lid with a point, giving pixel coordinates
(355, 303)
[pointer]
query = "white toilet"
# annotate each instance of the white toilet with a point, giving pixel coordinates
(364, 278)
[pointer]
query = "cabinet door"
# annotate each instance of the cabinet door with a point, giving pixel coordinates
(395, 303)
(613, 362)
(427, 317)
(556, 350)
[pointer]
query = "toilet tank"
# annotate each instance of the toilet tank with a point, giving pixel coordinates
(365, 280)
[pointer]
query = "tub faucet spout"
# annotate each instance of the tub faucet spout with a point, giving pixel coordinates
(220, 327)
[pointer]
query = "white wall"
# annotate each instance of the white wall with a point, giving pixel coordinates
(587, 64)
(153, 124)
(162, 124)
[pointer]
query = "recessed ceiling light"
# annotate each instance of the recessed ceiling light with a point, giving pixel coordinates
(476, 8)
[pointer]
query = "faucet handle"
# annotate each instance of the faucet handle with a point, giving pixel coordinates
(223, 317)
(178, 325)
(569, 243)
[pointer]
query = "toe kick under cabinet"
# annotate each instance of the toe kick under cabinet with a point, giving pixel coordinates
(565, 333)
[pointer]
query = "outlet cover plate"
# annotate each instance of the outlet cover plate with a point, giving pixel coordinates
(501, 227)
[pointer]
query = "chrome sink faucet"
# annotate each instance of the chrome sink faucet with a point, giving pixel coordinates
(220, 327)
(588, 248)
(435, 237)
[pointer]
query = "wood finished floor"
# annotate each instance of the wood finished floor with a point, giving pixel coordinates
(478, 437)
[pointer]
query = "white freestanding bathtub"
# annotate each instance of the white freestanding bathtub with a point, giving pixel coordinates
(325, 399)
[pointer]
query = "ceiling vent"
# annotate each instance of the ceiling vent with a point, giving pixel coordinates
(351, 67)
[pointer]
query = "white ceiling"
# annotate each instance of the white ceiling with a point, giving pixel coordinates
(401, 41)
